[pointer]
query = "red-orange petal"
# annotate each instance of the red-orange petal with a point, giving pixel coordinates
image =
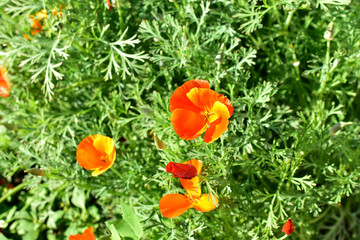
(288, 227)
(4, 82)
(206, 203)
(203, 98)
(192, 186)
(186, 171)
(187, 124)
(179, 98)
(96, 153)
(88, 234)
(173, 205)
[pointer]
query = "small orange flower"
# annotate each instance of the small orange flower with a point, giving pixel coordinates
(4, 82)
(96, 152)
(88, 234)
(173, 205)
(36, 27)
(288, 227)
(196, 108)
(56, 12)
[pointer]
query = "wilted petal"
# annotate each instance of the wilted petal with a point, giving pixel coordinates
(206, 203)
(196, 163)
(186, 171)
(173, 205)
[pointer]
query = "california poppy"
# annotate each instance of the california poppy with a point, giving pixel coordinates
(180, 170)
(4, 82)
(36, 27)
(288, 227)
(173, 205)
(96, 152)
(197, 109)
(88, 234)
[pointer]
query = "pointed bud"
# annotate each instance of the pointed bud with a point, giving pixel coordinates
(36, 172)
(329, 33)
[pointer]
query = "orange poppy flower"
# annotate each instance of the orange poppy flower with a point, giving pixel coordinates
(288, 227)
(173, 205)
(88, 234)
(96, 152)
(4, 82)
(197, 109)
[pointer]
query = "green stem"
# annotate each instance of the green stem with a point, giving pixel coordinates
(326, 71)
(13, 191)
(288, 19)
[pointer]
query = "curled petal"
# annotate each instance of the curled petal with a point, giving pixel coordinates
(179, 99)
(187, 124)
(173, 205)
(186, 171)
(206, 203)
(96, 153)
(4, 82)
(196, 163)
(288, 227)
(88, 234)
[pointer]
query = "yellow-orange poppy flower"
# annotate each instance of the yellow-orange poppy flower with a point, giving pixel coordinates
(173, 205)
(97, 153)
(197, 109)
(88, 234)
(4, 82)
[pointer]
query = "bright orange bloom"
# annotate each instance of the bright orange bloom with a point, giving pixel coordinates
(4, 82)
(196, 108)
(56, 12)
(97, 153)
(173, 205)
(288, 227)
(88, 234)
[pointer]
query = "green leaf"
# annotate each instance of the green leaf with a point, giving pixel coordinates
(113, 230)
(78, 198)
(132, 219)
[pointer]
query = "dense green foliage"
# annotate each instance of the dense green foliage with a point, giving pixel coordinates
(94, 70)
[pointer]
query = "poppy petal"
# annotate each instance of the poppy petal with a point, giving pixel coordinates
(206, 203)
(203, 98)
(196, 163)
(192, 186)
(173, 205)
(179, 99)
(4, 82)
(88, 234)
(288, 227)
(186, 171)
(187, 124)
(103, 144)
(220, 125)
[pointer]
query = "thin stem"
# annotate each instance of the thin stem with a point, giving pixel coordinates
(13, 191)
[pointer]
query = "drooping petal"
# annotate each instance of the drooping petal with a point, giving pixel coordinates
(173, 205)
(220, 125)
(103, 144)
(179, 98)
(187, 124)
(288, 227)
(186, 171)
(196, 163)
(192, 186)
(4, 82)
(206, 203)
